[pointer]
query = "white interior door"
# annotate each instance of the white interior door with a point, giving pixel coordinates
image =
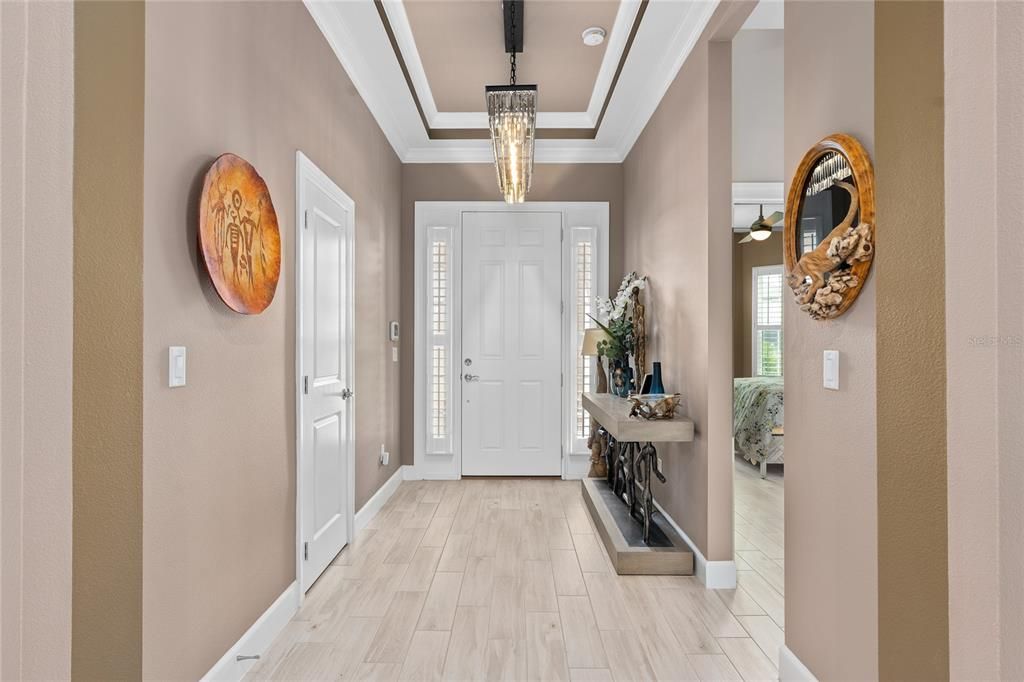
(511, 341)
(325, 349)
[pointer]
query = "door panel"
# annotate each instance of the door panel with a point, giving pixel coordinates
(511, 335)
(325, 362)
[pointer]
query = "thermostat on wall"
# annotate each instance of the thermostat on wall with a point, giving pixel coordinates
(393, 330)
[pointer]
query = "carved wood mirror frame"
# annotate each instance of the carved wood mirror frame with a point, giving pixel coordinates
(826, 280)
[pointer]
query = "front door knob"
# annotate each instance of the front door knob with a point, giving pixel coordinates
(472, 377)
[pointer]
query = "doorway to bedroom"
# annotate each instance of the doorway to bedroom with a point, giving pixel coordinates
(758, 353)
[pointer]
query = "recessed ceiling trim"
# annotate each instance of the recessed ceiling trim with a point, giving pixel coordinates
(663, 42)
(617, 43)
(355, 31)
(401, 29)
(405, 41)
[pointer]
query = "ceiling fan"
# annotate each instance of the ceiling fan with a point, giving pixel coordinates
(761, 228)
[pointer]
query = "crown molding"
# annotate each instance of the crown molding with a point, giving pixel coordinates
(480, 151)
(663, 41)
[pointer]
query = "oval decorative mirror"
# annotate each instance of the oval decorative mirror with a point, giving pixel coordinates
(829, 240)
(238, 235)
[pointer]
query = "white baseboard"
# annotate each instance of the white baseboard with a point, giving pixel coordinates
(258, 638)
(576, 467)
(716, 575)
(383, 494)
(792, 669)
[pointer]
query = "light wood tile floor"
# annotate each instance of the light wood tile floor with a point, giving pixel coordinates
(506, 580)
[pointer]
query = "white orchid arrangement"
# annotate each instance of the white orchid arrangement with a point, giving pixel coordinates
(614, 308)
(618, 324)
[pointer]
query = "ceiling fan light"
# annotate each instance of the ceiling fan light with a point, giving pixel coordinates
(512, 118)
(760, 233)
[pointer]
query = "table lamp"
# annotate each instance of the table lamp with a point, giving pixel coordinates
(591, 337)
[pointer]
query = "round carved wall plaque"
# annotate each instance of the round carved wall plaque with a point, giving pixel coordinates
(830, 226)
(238, 235)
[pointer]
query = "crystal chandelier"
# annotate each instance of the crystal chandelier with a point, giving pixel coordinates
(512, 116)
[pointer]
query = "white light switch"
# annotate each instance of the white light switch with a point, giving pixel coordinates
(394, 354)
(176, 366)
(830, 370)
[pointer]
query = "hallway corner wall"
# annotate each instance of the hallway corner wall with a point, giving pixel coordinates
(984, 246)
(913, 629)
(831, 496)
(108, 347)
(260, 80)
(678, 182)
(36, 338)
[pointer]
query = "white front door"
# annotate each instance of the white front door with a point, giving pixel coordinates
(325, 347)
(511, 340)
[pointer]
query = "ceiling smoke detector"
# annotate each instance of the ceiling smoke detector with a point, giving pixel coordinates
(594, 36)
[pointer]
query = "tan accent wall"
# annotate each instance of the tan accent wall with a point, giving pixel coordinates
(678, 211)
(107, 396)
(911, 342)
(984, 246)
(477, 182)
(745, 257)
(831, 497)
(257, 79)
(36, 308)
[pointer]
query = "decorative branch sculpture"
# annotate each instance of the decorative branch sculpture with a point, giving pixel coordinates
(821, 276)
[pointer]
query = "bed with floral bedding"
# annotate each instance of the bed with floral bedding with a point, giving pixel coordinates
(757, 411)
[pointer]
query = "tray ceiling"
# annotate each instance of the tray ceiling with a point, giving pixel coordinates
(461, 50)
(421, 67)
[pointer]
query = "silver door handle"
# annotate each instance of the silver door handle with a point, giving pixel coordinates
(347, 393)
(471, 377)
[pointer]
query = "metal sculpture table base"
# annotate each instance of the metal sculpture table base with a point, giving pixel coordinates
(630, 466)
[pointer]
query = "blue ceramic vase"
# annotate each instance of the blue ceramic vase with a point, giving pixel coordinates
(657, 388)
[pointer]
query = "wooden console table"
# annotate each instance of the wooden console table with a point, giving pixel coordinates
(630, 453)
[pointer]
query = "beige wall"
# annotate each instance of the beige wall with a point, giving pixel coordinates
(984, 96)
(259, 80)
(477, 182)
(745, 257)
(757, 106)
(831, 498)
(36, 149)
(678, 211)
(911, 342)
(108, 405)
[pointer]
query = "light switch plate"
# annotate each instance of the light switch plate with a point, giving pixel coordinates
(830, 370)
(176, 366)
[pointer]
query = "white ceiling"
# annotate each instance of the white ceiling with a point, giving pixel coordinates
(665, 34)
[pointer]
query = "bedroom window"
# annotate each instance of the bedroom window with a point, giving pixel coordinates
(766, 327)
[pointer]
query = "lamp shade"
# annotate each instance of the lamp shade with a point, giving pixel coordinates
(590, 340)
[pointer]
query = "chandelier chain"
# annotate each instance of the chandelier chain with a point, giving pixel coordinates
(512, 59)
